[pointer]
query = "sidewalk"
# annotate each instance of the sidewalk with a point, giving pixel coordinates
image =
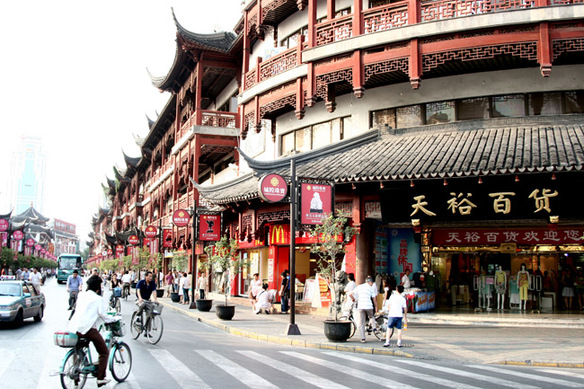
(550, 340)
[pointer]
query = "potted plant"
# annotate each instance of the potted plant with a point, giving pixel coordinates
(224, 259)
(331, 237)
(203, 304)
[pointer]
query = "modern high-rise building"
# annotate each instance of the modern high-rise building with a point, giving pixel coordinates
(28, 174)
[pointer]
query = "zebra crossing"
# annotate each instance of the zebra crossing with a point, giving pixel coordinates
(288, 368)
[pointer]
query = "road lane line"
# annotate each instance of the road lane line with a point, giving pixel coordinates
(555, 381)
(237, 371)
(360, 374)
(178, 370)
(294, 371)
(579, 375)
(407, 373)
(479, 377)
(7, 358)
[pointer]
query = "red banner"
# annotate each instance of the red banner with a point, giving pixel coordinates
(181, 218)
(210, 227)
(522, 236)
(316, 203)
(167, 238)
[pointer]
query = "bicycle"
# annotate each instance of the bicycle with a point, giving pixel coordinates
(126, 290)
(152, 325)
(115, 300)
(78, 363)
(379, 332)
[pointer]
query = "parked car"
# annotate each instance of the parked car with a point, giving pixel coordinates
(20, 300)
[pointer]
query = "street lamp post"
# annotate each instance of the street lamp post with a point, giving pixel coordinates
(292, 326)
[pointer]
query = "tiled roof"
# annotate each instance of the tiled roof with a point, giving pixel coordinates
(496, 146)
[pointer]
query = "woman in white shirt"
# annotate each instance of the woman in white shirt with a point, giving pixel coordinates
(88, 314)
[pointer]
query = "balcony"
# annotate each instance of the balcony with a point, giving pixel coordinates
(217, 119)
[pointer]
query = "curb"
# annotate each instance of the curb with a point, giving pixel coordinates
(542, 364)
(290, 342)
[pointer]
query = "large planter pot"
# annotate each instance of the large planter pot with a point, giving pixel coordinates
(225, 312)
(204, 305)
(337, 331)
(159, 293)
(175, 297)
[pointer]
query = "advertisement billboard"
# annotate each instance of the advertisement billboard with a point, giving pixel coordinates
(210, 227)
(316, 202)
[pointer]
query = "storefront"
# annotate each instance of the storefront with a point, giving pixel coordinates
(465, 229)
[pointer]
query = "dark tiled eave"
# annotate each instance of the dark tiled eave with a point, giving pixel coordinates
(473, 148)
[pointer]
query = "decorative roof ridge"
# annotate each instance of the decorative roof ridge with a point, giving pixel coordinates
(263, 166)
(221, 41)
(131, 161)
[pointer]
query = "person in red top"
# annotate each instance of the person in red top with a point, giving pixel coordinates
(169, 279)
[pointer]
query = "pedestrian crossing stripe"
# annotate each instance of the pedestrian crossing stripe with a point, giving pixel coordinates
(240, 373)
(296, 372)
(357, 373)
(407, 373)
(178, 370)
(462, 373)
(574, 374)
(555, 381)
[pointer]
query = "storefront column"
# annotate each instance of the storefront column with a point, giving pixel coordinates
(365, 258)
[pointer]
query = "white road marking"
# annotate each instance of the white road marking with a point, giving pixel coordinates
(178, 370)
(238, 372)
(462, 373)
(360, 374)
(555, 381)
(294, 371)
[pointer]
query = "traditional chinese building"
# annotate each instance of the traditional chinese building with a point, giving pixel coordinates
(452, 131)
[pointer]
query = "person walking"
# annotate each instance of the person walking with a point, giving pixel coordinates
(397, 314)
(74, 283)
(202, 286)
(185, 287)
(169, 279)
(365, 295)
(35, 279)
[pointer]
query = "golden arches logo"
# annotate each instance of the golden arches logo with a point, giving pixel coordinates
(278, 235)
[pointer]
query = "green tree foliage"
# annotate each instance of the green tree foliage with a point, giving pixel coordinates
(331, 238)
(224, 259)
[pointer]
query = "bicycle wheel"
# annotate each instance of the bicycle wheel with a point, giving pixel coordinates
(136, 325)
(381, 328)
(154, 330)
(118, 305)
(353, 325)
(71, 376)
(121, 362)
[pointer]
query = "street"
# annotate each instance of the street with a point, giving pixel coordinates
(194, 355)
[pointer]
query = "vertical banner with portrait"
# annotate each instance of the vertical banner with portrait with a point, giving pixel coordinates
(210, 227)
(316, 202)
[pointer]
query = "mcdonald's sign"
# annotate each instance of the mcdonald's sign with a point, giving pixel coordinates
(280, 234)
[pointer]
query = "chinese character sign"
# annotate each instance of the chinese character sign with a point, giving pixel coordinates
(404, 252)
(209, 227)
(526, 236)
(273, 188)
(316, 202)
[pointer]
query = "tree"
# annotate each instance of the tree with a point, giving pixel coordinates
(143, 258)
(127, 262)
(331, 237)
(223, 258)
(179, 260)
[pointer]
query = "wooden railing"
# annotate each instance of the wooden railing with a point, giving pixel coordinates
(220, 119)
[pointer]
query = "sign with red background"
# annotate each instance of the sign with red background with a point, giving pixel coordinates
(210, 227)
(150, 232)
(30, 242)
(522, 236)
(316, 203)
(4, 225)
(273, 188)
(17, 235)
(167, 238)
(181, 218)
(133, 240)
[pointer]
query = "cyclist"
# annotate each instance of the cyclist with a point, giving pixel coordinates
(365, 295)
(144, 290)
(126, 280)
(74, 283)
(88, 313)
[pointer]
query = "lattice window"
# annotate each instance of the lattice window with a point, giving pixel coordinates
(250, 79)
(446, 9)
(560, 47)
(385, 18)
(324, 80)
(272, 217)
(278, 104)
(389, 66)
(334, 30)
(278, 64)
(527, 50)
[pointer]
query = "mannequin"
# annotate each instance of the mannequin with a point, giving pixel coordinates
(500, 287)
(523, 285)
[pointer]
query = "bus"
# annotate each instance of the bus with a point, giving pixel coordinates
(66, 263)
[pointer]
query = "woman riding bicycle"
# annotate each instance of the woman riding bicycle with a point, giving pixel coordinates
(115, 283)
(84, 322)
